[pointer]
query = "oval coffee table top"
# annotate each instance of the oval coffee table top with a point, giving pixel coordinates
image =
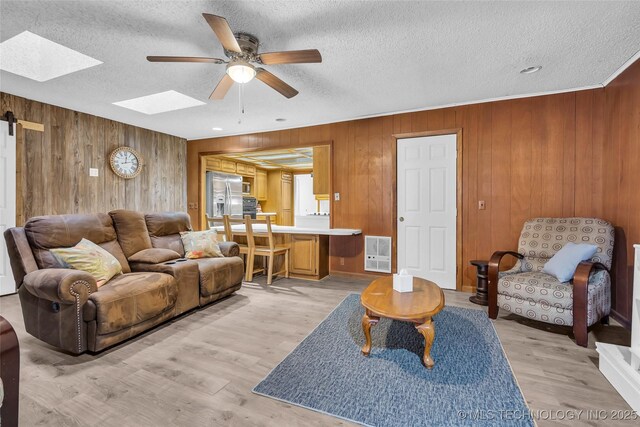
(426, 300)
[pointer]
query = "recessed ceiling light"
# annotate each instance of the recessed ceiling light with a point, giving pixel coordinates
(216, 128)
(280, 119)
(160, 102)
(36, 58)
(531, 70)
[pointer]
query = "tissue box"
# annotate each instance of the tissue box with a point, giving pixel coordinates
(403, 282)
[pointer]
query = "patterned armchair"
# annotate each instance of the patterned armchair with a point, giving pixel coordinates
(527, 291)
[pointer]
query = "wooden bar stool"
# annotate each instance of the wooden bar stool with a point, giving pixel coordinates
(229, 237)
(269, 252)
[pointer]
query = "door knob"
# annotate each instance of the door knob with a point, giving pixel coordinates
(401, 219)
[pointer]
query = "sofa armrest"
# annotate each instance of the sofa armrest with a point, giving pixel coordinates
(494, 270)
(154, 256)
(63, 285)
(229, 249)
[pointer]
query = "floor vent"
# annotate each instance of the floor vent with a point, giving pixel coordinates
(377, 254)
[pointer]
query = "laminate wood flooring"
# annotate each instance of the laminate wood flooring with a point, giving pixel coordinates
(199, 369)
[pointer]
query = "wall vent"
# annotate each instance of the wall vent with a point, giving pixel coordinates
(377, 254)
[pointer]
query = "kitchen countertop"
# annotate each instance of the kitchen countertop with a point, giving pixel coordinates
(285, 229)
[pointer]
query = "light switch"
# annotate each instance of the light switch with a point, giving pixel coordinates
(336, 197)
(93, 172)
(481, 205)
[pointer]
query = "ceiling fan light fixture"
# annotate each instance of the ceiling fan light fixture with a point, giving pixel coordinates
(241, 71)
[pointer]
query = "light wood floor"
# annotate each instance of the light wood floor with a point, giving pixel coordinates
(200, 369)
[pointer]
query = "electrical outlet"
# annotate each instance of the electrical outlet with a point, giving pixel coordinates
(336, 197)
(341, 260)
(481, 205)
(93, 172)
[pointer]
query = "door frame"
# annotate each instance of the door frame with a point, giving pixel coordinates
(202, 171)
(394, 150)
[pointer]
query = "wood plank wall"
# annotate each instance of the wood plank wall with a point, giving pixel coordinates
(620, 178)
(53, 169)
(559, 155)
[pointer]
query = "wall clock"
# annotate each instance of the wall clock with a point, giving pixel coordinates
(125, 162)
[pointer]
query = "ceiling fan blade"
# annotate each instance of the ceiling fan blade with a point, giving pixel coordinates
(184, 59)
(220, 26)
(222, 88)
(291, 57)
(269, 79)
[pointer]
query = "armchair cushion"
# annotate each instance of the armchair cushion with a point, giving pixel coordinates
(154, 256)
(564, 263)
(540, 296)
(542, 238)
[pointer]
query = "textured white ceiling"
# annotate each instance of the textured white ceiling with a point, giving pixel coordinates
(378, 56)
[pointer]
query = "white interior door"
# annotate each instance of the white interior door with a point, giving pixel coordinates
(426, 179)
(7, 202)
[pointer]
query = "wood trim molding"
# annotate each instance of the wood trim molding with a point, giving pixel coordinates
(38, 127)
(459, 193)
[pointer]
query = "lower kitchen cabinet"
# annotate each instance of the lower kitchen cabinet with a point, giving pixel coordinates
(309, 256)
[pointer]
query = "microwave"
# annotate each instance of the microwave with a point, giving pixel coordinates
(246, 187)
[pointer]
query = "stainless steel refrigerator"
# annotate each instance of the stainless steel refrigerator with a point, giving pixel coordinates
(224, 195)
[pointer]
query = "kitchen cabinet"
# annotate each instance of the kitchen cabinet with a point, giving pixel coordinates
(213, 164)
(321, 170)
(245, 169)
(228, 166)
(280, 196)
(261, 185)
(309, 256)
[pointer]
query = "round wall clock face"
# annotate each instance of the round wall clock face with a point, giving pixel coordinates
(126, 162)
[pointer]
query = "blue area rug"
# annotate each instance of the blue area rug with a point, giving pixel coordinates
(471, 383)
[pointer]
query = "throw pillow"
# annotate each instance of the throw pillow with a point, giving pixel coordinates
(200, 244)
(89, 257)
(564, 263)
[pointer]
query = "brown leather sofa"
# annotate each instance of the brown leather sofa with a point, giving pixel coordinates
(66, 309)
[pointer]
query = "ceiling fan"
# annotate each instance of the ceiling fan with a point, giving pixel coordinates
(242, 51)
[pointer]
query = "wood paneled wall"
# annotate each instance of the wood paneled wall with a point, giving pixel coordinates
(620, 178)
(53, 166)
(552, 155)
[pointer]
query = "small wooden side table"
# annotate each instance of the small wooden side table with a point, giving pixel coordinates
(482, 291)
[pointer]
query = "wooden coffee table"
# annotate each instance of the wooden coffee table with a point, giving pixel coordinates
(418, 307)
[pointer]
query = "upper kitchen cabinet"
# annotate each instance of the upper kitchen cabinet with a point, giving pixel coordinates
(280, 196)
(261, 185)
(321, 170)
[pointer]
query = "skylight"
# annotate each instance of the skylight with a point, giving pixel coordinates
(160, 102)
(34, 57)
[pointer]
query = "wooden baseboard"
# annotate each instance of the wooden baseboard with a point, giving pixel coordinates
(370, 276)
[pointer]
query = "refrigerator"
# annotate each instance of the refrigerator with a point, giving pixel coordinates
(224, 195)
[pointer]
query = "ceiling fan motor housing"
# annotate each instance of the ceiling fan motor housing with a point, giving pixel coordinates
(249, 45)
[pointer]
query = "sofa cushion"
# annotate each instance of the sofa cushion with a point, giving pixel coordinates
(219, 274)
(64, 231)
(132, 298)
(132, 231)
(91, 258)
(165, 227)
